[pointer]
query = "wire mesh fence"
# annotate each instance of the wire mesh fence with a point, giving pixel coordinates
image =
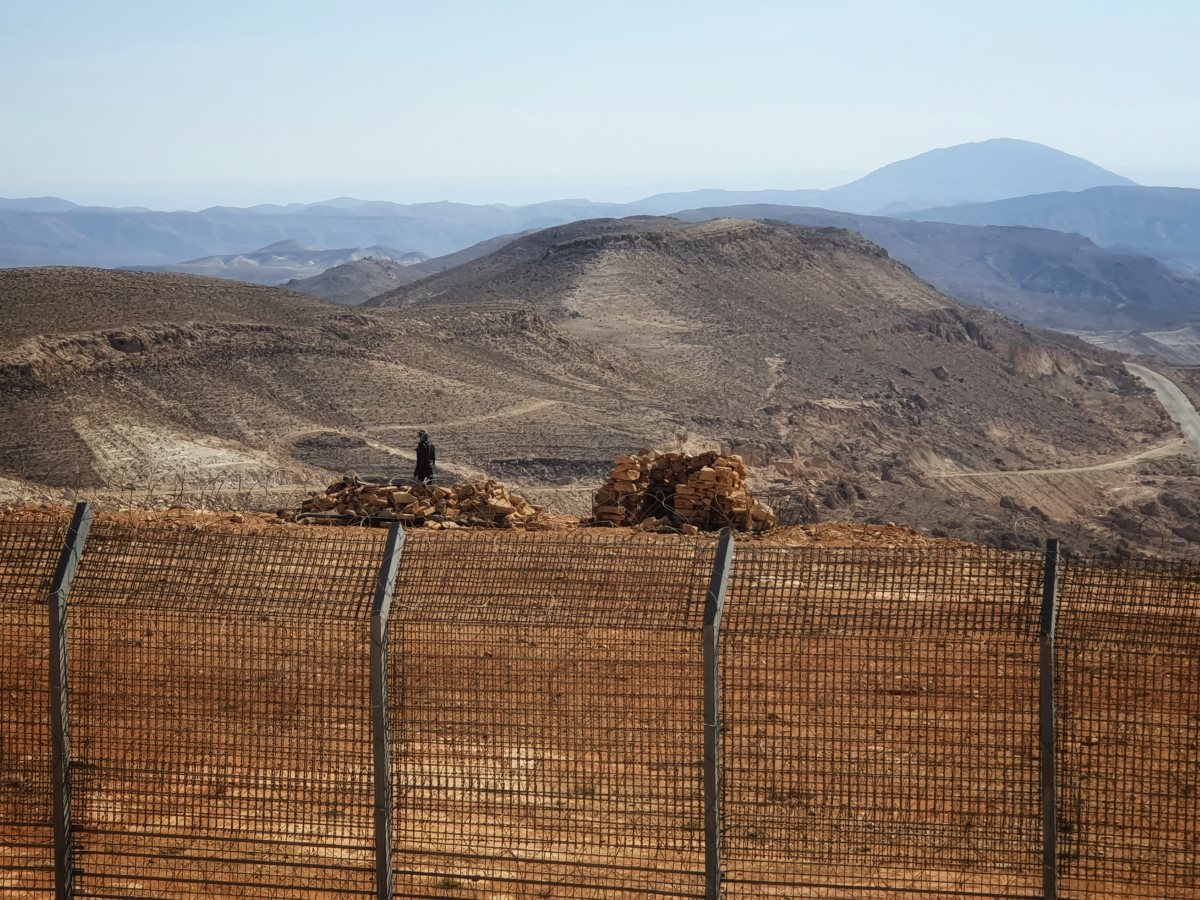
(1129, 730)
(879, 729)
(220, 715)
(546, 716)
(29, 550)
(546, 734)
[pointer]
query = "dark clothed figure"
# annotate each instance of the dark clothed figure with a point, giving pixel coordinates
(426, 458)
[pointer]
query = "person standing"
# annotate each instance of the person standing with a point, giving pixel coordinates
(426, 458)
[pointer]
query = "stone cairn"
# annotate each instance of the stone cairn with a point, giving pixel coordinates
(484, 504)
(677, 491)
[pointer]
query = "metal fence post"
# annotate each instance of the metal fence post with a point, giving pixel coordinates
(714, 607)
(60, 723)
(1047, 717)
(380, 608)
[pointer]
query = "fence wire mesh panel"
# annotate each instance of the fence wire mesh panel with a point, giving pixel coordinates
(547, 715)
(29, 549)
(221, 714)
(880, 724)
(1129, 730)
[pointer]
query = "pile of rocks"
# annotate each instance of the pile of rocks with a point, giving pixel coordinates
(701, 492)
(486, 504)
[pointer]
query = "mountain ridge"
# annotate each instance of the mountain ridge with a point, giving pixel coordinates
(1162, 222)
(112, 237)
(985, 170)
(1045, 278)
(280, 261)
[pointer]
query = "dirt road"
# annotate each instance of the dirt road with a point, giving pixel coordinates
(1171, 448)
(1174, 401)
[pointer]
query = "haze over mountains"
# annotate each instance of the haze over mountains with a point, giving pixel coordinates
(988, 170)
(111, 237)
(1162, 222)
(47, 231)
(281, 261)
(1106, 283)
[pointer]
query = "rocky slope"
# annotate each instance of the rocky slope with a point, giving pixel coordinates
(1046, 278)
(355, 282)
(836, 373)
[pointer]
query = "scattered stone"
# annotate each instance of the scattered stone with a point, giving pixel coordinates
(486, 504)
(680, 492)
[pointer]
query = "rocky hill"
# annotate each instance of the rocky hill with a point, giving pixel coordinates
(1162, 222)
(353, 283)
(281, 261)
(67, 300)
(820, 358)
(841, 377)
(1046, 278)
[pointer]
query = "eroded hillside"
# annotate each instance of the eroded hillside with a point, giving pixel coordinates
(833, 369)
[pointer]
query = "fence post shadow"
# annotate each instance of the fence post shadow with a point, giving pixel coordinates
(714, 608)
(380, 609)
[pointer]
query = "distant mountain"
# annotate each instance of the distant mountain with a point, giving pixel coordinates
(1162, 222)
(1045, 278)
(109, 237)
(37, 204)
(49, 231)
(988, 170)
(280, 261)
(357, 281)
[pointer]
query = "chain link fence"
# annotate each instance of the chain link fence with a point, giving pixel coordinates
(543, 718)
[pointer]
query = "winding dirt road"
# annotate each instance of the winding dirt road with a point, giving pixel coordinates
(1174, 401)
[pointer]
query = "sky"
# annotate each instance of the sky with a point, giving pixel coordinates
(186, 105)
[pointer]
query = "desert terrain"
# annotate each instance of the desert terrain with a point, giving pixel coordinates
(843, 380)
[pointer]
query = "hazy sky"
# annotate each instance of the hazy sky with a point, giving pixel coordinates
(172, 104)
